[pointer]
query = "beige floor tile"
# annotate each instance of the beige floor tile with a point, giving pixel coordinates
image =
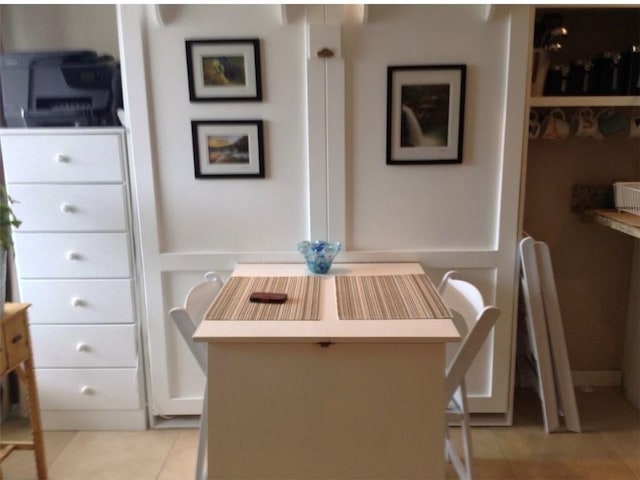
(605, 449)
(626, 444)
(537, 455)
(181, 461)
(106, 455)
(21, 465)
(608, 450)
(488, 460)
(16, 428)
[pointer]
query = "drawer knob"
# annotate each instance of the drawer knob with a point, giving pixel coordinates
(73, 256)
(82, 347)
(86, 390)
(66, 208)
(77, 302)
(62, 158)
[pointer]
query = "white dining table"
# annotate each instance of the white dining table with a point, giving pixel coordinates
(353, 390)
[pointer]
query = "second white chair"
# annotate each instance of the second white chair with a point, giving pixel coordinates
(474, 321)
(187, 318)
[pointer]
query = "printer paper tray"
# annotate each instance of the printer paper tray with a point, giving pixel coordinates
(59, 118)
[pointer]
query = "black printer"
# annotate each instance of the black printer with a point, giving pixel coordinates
(60, 89)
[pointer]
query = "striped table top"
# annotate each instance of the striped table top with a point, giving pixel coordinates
(388, 297)
(232, 303)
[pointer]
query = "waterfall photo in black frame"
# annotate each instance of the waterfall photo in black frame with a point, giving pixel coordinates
(425, 114)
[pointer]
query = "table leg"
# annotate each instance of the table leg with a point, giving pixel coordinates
(36, 423)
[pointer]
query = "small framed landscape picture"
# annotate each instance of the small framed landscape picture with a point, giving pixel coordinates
(227, 148)
(224, 70)
(425, 114)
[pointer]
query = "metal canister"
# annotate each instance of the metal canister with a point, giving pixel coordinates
(557, 81)
(632, 66)
(609, 74)
(581, 78)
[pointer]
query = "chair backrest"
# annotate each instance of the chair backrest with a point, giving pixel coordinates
(187, 318)
(201, 295)
(187, 328)
(473, 319)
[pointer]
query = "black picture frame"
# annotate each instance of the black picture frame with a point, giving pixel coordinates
(425, 114)
(228, 148)
(224, 70)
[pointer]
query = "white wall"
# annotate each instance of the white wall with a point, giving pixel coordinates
(425, 207)
(445, 216)
(189, 225)
(220, 215)
(60, 27)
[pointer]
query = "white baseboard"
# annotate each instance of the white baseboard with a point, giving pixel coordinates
(597, 378)
(93, 419)
(177, 421)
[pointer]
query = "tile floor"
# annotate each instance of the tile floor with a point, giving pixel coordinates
(608, 449)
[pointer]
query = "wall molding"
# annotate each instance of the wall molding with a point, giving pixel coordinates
(226, 261)
(326, 137)
(324, 14)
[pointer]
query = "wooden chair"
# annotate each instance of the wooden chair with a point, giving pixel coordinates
(474, 321)
(187, 319)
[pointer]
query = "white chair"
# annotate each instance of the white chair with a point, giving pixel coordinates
(187, 319)
(474, 321)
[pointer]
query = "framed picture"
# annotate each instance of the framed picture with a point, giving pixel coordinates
(224, 70)
(425, 114)
(227, 148)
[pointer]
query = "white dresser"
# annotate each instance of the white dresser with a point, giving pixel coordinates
(76, 266)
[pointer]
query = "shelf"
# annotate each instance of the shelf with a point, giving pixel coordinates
(599, 101)
(621, 221)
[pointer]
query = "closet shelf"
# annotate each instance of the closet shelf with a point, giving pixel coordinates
(583, 101)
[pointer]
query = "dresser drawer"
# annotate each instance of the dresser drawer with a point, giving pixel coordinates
(78, 301)
(88, 389)
(15, 339)
(84, 346)
(72, 255)
(67, 208)
(62, 158)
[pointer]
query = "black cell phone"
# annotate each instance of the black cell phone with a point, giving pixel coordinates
(268, 297)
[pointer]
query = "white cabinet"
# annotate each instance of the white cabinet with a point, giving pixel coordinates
(66, 255)
(63, 158)
(96, 391)
(75, 264)
(79, 346)
(79, 301)
(71, 208)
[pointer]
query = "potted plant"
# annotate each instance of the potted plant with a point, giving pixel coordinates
(8, 221)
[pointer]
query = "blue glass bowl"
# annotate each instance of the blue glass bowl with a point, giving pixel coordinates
(319, 255)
